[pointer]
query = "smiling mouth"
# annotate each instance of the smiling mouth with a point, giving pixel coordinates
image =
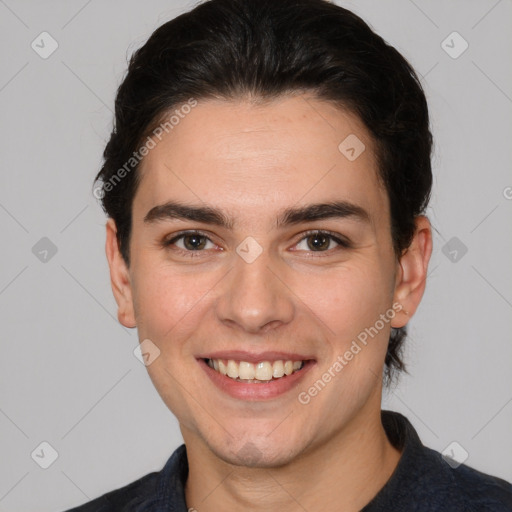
(259, 373)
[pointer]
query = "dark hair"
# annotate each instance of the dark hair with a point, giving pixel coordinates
(228, 49)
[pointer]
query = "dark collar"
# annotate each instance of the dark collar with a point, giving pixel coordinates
(403, 437)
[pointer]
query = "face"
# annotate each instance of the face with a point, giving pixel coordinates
(260, 275)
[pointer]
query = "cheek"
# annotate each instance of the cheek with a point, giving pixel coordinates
(347, 299)
(172, 307)
(169, 303)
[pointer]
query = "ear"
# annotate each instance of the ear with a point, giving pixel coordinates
(412, 272)
(119, 277)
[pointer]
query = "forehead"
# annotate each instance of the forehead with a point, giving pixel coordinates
(256, 158)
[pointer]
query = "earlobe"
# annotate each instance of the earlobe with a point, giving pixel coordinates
(119, 277)
(412, 272)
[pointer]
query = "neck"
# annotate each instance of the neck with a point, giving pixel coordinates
(344, 473)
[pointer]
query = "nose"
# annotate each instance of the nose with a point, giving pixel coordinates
(254, 296)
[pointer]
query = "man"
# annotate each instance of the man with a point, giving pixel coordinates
(266, 184)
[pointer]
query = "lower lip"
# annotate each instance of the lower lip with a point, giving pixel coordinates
(255, 391)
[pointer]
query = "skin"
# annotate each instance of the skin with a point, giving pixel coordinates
(252, 161)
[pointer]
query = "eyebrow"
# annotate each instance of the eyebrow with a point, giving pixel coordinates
(290, 216)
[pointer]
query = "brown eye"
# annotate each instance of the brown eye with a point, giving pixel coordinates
(319, 241)
(194, 242)
(189, 242)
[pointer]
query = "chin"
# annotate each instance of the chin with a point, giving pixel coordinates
(256, 450)
(251, 455)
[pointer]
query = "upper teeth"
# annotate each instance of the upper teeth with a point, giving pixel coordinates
(264, 370)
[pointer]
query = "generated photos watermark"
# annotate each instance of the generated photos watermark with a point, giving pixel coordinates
(305, 397)
(170, 123)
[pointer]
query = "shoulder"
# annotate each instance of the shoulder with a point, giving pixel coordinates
(155, 491)
(425, 480)
(436, 486)
(466, 488)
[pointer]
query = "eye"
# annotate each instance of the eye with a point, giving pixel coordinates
(189, 242)
(320, 241)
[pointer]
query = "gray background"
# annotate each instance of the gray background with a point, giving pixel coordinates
(68, 375)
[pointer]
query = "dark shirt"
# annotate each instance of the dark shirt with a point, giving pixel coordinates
(422, 482)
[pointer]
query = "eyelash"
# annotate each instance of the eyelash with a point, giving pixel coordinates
(193, 254)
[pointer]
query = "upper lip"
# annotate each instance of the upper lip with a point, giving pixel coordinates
(253, 357)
